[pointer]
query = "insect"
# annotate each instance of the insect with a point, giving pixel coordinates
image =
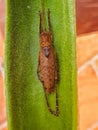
(47, 65)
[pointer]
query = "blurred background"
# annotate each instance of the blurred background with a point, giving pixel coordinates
(87, 64)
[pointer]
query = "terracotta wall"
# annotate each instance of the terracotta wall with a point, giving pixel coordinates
(86, 16)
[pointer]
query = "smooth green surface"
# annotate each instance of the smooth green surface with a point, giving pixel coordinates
(26, 106)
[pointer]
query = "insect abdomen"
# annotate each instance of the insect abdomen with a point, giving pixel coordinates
(47, 71)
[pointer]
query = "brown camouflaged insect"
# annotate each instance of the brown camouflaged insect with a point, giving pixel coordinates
(47, 66)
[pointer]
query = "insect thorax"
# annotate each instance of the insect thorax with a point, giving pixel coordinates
(45, 39)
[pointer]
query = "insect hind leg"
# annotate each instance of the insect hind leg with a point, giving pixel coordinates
(40, 26)
(56, 113)
(49, 23)
(57, 103)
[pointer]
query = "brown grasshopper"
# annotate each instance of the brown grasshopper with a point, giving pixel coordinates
(47, 65)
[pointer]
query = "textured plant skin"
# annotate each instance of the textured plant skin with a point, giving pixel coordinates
(26, 106)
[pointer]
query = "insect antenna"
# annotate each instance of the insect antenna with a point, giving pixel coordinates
(49, 23)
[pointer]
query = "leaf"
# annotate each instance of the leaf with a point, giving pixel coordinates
(26, 105)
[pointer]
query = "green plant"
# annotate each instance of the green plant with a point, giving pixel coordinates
(26, 106)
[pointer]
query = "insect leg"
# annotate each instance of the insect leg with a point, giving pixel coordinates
(38, 73)
(49, 108)
(49, 23)
(57, 103)
(56, 71)
(56, 80)
(38, 69)
(40, 26)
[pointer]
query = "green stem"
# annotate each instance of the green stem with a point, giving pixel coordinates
(26, 105)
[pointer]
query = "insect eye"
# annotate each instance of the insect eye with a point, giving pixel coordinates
(46, 48)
